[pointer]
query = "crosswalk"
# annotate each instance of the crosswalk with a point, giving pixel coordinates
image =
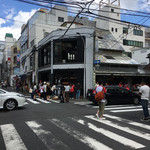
(88, 132)
(113, 108)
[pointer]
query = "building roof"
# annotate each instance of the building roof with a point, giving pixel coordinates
(114, 58)
(9, 35)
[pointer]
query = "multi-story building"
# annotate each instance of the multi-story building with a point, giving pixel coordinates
(37, 27)
(127, 34)
(15, 63)
(9, 41)
(2, 47)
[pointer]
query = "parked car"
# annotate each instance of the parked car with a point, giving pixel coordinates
(116, 95)
(11, 100)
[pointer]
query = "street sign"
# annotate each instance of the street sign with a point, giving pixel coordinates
(97, 62)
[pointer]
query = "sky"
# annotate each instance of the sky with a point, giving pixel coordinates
(14, 14)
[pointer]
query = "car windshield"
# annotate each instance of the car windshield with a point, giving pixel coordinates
(2, 91)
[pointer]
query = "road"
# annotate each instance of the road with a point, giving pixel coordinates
(43, 125)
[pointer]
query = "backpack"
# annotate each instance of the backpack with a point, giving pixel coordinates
(99, 96)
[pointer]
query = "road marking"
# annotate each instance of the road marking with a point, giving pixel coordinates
(46, 136)
(115, 111)
(54, 101)
(82, 103)
(125, 129)
(111, 135)
(128, 107)
(11, 137)
(92, 143)
(32, 101)
(43, 101)
(129, 121)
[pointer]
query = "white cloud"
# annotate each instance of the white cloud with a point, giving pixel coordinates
(20, 19)
(2, 21)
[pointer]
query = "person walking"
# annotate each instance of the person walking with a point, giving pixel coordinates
(67, 93)
(44, 90)
(48, 92)
(72, 91)
(41, 91)
(34, 91)
(78, 90)
(144, 92)
(102, 102)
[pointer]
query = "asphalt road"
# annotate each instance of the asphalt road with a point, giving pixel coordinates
(51, 125)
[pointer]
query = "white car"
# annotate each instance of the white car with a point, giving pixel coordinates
(11, 100)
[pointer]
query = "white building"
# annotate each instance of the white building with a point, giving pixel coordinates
(37, 27)
(128, 35)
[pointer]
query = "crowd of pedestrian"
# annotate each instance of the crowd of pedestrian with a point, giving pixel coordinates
(63, 92)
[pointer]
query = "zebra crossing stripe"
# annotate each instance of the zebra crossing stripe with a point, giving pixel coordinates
(45, 136)
(123, 107)
(125, 129)
(141, 125)
(32, 101)
(11, 138)
(111, 135)
(127, 110)
(92, 143)
(43, 101)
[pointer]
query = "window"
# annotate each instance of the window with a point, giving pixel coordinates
(132, 43)
(112, 10)
(125, 30)
(15, 50)
(116, 30)
(32, 43)
(60, 19)
(108, 57)
(112, 29)
(138, 32)
(15, 59)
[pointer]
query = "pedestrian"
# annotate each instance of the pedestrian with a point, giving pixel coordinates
(61, 96)
(48, 92)
(67, 93)
(102, 102)
(31, 91)
(72, 91)
(144, 92)
(44, 90)
(78, 90)
(34, 91)
(41, 91)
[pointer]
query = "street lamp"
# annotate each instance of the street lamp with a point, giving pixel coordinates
(84, 91)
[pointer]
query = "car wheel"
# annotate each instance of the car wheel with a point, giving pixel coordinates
(136, 101)
(10, 104)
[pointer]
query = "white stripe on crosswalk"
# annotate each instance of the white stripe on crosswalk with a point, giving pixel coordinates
(111, 135)
(46, 136)
(54, 101)
(127, 110)
(129, 121)
(123, 107)
(11, 138)
(43, 101)
(94, 144)
(32, 101)
(125, 129)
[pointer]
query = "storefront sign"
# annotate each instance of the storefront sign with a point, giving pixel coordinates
(97, 62)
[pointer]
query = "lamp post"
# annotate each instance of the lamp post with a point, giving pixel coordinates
(84, 80)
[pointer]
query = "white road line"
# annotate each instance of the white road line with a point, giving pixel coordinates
(125, 110)
(82, 103)
(122, 128)
(111, 135)
(92, 143)
(43, 101)
(11, 137)
(123, 107)
(128, 121)
(46, 136)
(32, 101)
(54, 101)
(26, 103)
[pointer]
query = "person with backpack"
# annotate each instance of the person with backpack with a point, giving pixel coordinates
(100, 98)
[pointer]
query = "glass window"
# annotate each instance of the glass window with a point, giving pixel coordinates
(112, 29)
(60, 19)
(125, 30)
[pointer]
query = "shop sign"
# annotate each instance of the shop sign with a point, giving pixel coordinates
(97, 62)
